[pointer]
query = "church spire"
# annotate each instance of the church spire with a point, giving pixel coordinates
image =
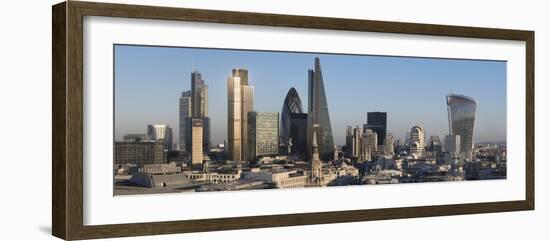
(316, 165)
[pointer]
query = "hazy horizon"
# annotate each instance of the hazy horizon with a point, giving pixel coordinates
(149, 81)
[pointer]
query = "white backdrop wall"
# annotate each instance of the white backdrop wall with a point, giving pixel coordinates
(25, 100)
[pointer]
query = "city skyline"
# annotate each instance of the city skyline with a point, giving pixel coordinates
(153, 78)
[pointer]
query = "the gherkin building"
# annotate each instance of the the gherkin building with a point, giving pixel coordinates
(292, 105)
(318, 113)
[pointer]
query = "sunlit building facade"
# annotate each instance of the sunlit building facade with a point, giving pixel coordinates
(196, 142)
(462, 110)
(161, 131)
(240, 102)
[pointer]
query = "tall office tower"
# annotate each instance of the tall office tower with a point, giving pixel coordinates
(291, 105)
(240, 101)
(417, 143)
(199, 95)
(462, 110)
(298, 134)
(377, 122)
(161, 131)
(184, 113)
(196, 143)
(369, 144)
(356, 142)
(389, 145)
(263, 134)
(318, 113)
(316, 166)
(348, 152)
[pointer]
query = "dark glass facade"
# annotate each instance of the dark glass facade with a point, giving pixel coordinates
(291, 105)
(298, 133)
(378, 123)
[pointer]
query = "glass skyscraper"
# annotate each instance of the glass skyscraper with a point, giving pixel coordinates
(318, 113)
(462, 110)
(291, 105)
(377, 122)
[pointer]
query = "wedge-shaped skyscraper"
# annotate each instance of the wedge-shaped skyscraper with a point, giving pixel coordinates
(462, 112)
(318, 113)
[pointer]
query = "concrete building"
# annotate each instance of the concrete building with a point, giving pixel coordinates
(357, 141)
(165, 168)
(369, 145)
(389, 145)
(278, 178)
(417, 142)
(205, 133)
(139, 152)
(158, 181)
(263, 134)
(213, 177)
(240, 101)
(196, 143)
(161, 131)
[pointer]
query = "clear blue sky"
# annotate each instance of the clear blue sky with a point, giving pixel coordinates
(149, 81)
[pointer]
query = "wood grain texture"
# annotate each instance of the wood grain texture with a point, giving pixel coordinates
(67, 156)
(59, 192)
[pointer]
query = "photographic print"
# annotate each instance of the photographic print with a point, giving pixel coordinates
(205, 119)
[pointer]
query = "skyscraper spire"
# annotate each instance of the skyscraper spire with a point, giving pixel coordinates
(318, 112)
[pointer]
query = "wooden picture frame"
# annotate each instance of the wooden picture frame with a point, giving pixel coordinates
(67, 123)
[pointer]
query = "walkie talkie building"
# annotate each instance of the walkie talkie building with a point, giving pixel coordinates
(462, 111)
